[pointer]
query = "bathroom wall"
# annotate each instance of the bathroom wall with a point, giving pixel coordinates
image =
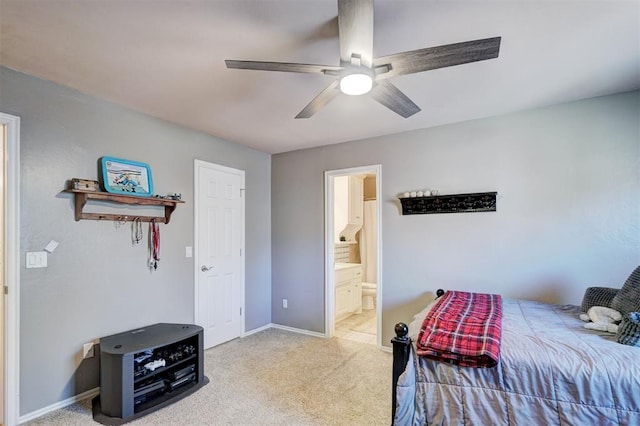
(369, 187)
(568, 212)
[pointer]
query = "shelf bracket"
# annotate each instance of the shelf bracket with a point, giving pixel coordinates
(167, 212)
(81, 201)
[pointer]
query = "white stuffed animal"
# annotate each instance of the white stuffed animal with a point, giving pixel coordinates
(602, 319)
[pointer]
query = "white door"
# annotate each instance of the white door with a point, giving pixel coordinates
(11, 268)
(2, 271)
(219, 257)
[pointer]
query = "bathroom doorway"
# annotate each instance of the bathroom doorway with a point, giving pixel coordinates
(352, 258)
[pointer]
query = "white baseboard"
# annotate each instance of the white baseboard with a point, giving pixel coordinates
(58, 405)
(299, 330)
(386, 349)
(257, 330)
(284, 327)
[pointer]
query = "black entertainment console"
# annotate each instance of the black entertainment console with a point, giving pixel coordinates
(146, 369)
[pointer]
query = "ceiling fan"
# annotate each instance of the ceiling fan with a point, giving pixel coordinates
(359, 72)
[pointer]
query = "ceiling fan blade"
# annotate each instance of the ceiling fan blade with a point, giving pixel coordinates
(439, 57)
(391, 97)
(282, 66)
(321, 100)
(355, 27)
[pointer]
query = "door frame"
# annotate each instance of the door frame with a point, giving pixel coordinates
(329, 243)
(196, 217)
(11, 300)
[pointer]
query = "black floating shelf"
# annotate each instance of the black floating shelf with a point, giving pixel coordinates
(457, 203)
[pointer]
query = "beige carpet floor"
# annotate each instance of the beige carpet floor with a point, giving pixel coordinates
(275, 377)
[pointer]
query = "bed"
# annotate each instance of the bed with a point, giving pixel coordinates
(551, 370)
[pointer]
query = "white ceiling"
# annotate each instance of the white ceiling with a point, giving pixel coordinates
(166, 59)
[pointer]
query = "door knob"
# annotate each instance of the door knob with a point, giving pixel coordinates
(206, 268)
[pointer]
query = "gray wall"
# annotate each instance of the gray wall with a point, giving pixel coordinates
(568, 209)
(96, 283)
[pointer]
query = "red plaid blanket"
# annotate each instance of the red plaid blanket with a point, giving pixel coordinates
(463, 328)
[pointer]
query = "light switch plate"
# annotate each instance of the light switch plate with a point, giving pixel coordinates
(36, 259)
(188, 251)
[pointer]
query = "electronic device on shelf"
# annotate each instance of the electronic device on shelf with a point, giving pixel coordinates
(145, 392)
(178, 374)
(171, 386)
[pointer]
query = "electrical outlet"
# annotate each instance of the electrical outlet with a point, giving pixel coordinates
(88, 350)
(285, 303)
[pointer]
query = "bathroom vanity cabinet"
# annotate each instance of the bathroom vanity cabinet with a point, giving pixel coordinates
(356, 195)
(348, 281)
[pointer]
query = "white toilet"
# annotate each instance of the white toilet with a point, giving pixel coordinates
(369, 293)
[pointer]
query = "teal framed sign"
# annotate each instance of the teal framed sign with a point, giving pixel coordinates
(126, 177)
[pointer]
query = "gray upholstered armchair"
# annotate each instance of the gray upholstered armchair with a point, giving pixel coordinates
(623, 300)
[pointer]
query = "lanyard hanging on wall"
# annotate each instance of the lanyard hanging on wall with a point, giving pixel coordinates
(136, 231)
(154, 245)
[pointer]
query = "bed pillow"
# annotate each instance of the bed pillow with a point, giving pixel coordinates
(598, 296)
(629, 330)
(628, 298)
(418, 319)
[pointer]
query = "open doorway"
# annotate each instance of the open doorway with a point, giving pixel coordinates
(352, 259)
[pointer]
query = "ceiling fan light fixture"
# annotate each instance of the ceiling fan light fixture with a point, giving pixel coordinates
(356, 84)
(358, 69)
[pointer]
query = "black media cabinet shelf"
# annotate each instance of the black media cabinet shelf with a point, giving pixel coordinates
(146, 369)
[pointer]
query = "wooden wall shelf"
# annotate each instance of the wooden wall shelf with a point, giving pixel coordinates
(81, 198)
(457, 203)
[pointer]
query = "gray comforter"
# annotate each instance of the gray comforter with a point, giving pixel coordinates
(552, 371)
